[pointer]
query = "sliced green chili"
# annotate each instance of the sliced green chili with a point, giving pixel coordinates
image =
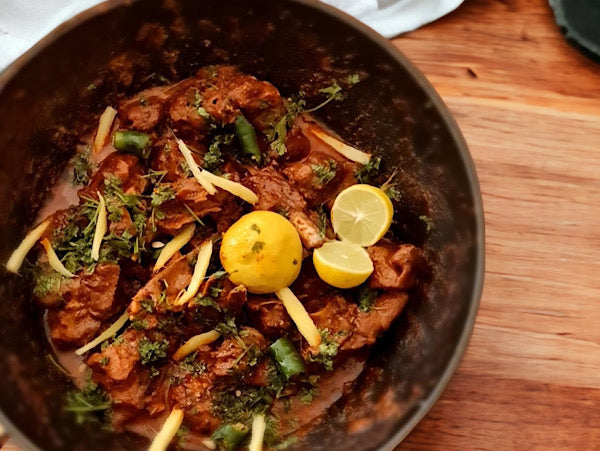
(132, 142)
(247, 137)
(288, 360)
(229, 436)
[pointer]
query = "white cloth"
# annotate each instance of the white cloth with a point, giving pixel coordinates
(24, 22)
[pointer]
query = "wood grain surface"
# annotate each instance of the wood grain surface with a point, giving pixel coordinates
(529, 107)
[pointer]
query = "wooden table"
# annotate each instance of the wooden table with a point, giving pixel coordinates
(529, 106)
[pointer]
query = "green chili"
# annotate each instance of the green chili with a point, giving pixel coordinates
(132, 142)
(229, 436)
(288, 360)
(247, 137)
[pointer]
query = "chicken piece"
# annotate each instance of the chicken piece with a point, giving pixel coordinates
(188, 192)
(395, 267)
(334, 315)
(187, 118)
(162, 289)
(166, 157)
(276, 194)
(320, 178)
(90, 299)
(369, 325)
(72, 325)
(259, 101)
(229, 297)
(97, 290)
(269, 316)
(193, 394)
(297, 145)
(230, 93)
(237, 354)
(126, 168)
(123, 224)
(145, 110)
(116, 363)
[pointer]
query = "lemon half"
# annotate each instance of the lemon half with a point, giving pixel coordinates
(342, 264)
(362, 214)
(262, 251)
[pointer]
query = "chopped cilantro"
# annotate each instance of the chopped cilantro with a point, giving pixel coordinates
(328, 349)
(428, 222)
(322, 215)
(258, 246)
(155, 177)
(308, 394)
(82, 167)
(213, 157)
(139, 324)
(240, 406)
(147, 305)
(152, 351)
(88, 404)
(333, 92)
(199, 108)
(207, 301)
(353, 79)
(366, 298)
(228, 328)
(367, 172)
(218, 275)
(393, 193)
(325, 173)
(46, 280)
(278, 133)
(193, 366)
(161, 194)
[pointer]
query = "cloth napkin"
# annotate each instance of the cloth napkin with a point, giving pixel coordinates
(24, 22)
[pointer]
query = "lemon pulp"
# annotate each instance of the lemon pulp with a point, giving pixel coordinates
(361, 214)
(342, 264)
(262, 251)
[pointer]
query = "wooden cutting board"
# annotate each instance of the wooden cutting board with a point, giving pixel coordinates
(529, 107)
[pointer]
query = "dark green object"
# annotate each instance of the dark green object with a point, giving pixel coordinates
(133, 142)
(286, 357)
(229, 436)
(247, 137)
(580, 23)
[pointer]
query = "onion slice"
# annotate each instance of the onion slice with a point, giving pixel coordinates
(101, 227)
(235, 188)
(258, 433)
(167, 431)
(54, 261)
(112, 329)
(104, 125)
(300, 316)
(187, 154)
(344, 149)
(200, 269)
(16, 259)
(171, 248)
(194, 343)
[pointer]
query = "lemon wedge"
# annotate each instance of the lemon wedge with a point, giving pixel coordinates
(262, 251)
(342, 264)
(361, 214)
